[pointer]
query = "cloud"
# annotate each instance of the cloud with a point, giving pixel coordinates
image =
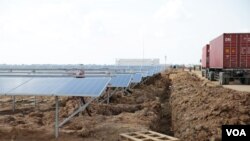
(171, 10)
(97, 31)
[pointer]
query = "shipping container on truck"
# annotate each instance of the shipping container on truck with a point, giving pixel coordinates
(229, 58)
(205, 58)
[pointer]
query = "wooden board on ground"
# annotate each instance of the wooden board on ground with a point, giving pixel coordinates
(146, 136)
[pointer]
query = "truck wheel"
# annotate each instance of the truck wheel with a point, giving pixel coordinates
(220, 81)
(221, 78)
(227, 80)
(247, 81)
(242, 80)
(211, 76)
(206, 74)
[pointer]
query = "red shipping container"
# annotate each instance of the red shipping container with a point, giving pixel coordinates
(230, 51)
(205, 56)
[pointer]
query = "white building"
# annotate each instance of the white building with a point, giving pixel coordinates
(137, 62)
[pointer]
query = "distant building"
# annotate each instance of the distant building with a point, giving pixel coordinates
(137, 62)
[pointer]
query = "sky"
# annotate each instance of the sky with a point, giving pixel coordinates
(101, 31)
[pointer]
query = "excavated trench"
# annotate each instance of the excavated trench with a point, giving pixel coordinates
(151, 98)
(163, 122)
(154, 96)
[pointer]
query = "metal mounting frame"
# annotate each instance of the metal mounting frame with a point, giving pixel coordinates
(80, 109)
(109, 95)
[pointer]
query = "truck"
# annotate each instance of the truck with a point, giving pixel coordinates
(227, 58)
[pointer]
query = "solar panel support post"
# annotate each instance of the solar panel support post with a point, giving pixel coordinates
(143, 82)
(13, 103)
(56, 118)
(124, 90)
(133, 85)
(108, 98)
(80, 109)
(127, 88)
(112, 93)
(108, 95)
(35, 101)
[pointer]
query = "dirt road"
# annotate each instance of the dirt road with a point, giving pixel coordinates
(233, 85)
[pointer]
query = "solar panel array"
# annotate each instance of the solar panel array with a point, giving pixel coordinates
(120, 80)
(61, 81)
(136, 78)
(55, 80)
(54, 86)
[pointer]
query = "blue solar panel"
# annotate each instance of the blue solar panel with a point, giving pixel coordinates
(145, 74)
(120, 80)
(9, 83)
(87, 86)
(151, 72)
(92, 87)
(41, 86)
(136, 78)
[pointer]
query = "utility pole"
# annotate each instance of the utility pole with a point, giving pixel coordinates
(165, 62)
(142, 62)
(143, 47)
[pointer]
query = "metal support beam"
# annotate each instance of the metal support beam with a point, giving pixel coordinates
(82, 108)
(133, 86)
(125, 90)
(82, 102)
(112, 93)
(108, 98)
(56, 118)
(145, 80)
(109, 95)
(13, 103)
(35, 101)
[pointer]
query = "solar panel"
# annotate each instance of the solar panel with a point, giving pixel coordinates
(41, 86)
(120, 80)
(92, 87)
(151, 72)
(88, 86)
(145, 74)
(9, 83)
(136, 78)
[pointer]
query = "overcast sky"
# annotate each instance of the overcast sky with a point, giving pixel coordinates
(99, 31)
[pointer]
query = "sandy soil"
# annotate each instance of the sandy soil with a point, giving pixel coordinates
(143, 109)
(199, 108)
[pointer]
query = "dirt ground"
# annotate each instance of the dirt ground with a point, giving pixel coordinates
(199, 108)
(142, 110)
(176, 103)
